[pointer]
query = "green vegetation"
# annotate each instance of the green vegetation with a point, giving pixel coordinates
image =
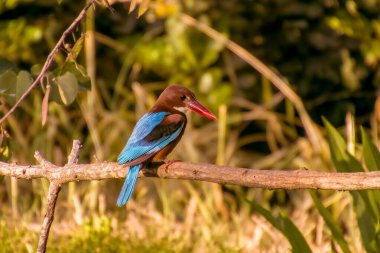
(110, 73)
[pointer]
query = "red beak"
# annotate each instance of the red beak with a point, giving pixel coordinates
(197, 107)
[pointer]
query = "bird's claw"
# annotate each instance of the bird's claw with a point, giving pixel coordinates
(170, 162)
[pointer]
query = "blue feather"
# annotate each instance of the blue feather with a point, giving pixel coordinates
(137, 146)
(129, 185)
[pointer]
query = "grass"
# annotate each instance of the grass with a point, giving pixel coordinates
(95, 235)
(187, 221)
(107, 234)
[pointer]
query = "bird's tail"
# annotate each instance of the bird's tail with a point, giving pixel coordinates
(129, 185)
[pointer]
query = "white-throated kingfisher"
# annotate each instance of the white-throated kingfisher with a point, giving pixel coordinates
(157, 133)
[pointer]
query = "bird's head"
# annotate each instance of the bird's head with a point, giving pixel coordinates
(179, 98)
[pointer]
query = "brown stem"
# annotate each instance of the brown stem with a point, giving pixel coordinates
(74, 154)
(54, 189)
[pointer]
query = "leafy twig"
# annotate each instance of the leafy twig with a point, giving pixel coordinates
(49, 59)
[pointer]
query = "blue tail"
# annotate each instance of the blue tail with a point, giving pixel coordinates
(129, 185)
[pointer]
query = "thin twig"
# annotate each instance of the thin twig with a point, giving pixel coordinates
(54, 189)
(49, 60)
(74, 154)
(109, 6)
(42, 160)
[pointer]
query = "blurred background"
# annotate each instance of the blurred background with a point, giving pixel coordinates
(110, 72)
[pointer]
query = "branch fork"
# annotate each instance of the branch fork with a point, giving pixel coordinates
(54, 189)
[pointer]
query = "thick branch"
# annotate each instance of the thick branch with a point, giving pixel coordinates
(271, 179)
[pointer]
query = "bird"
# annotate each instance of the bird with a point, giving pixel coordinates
(157, 133)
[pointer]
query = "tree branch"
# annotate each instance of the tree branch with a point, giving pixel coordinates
(74, 154)
(54, 189)
(271, 179)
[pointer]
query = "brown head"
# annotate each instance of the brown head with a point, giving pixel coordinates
(177, 99)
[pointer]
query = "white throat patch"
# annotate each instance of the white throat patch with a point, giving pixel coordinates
(181, 109)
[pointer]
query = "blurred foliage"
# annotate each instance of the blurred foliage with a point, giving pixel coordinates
(287, 227)
(109, 73)
(366, 203)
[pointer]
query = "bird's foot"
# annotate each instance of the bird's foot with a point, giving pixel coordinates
(170, 162)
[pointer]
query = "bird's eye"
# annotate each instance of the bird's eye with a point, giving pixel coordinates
(183, 97)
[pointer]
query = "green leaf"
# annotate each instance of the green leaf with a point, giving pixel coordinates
(365, 202)
(211, 53)
(8, 81)
(36, 69)
(370, 152)
(75, 50)
(7, 65)
(367, 222)
(334, 228)
(24, 80)
(343, 161)
(222, 95)
(67, 87)
(286, 227)
(54, 92)
(372, 160)
(79, 72)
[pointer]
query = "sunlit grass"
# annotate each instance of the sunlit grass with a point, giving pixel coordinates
(107, 234)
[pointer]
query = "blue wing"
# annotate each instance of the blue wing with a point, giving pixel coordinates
(140, 144)
(147, 139)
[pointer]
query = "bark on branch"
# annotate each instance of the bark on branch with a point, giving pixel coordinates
(54, 189)
(271, 179)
